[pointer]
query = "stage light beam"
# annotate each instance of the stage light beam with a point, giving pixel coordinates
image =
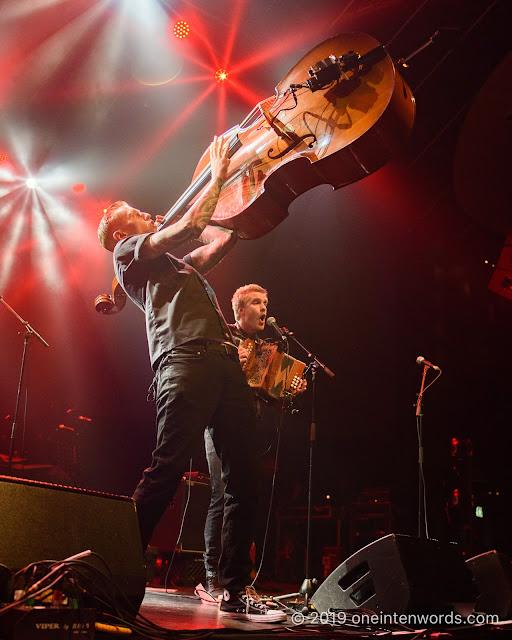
(16, 227)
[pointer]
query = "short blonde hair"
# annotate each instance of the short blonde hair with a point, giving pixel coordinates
(239, 299)
(107, 224)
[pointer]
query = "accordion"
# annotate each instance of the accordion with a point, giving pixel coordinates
(268, 369)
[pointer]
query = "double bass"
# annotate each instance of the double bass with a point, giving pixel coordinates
(335, 118)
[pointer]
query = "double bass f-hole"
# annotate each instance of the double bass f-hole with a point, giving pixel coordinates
(285, 132)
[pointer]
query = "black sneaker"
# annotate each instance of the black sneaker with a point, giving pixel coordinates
(248, 606)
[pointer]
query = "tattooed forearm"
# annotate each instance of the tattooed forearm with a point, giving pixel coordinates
(194, 221)
(219, 242)
(206, 206)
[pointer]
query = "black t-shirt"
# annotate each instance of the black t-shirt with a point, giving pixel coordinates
(178, 302)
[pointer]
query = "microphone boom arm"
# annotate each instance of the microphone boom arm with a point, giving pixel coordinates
(313, 360)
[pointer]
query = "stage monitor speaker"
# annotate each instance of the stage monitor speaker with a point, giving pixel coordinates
(42, 521)
(400, 574)
(492, 574)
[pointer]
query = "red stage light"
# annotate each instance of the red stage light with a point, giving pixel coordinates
(79, 187)
(181, 29)
(3, 157)
(221, 75)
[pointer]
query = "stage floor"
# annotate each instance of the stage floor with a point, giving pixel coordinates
(185, 615)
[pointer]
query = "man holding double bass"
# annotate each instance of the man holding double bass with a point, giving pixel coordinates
(198, 378)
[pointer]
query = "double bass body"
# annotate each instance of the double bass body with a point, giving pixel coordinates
(298, 140)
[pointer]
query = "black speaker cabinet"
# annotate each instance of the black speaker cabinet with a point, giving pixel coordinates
(492, 573)
(400, 574)
(41, 521)
(192, 499)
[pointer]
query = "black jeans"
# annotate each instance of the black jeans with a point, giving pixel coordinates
(215, 515)
(200, 385)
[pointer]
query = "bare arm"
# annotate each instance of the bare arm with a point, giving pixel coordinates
(193, 223)
(217, 242)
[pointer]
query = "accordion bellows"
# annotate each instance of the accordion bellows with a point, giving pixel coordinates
(270, 370)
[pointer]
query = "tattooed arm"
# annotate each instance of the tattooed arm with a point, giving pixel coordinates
(192, 225)
(217, 242)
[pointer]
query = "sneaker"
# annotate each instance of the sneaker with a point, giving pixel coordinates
(248, 606)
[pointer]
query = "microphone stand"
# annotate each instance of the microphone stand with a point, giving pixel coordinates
(422, 514)
(308, 583)
(29, 332)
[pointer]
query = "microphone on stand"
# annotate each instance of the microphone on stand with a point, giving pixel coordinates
(272, 323)
(426, 363)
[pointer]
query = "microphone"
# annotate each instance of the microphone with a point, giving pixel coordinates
(272, 323)
(426, 363)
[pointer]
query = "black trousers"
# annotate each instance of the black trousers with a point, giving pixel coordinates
(199, 386)
(215, 515)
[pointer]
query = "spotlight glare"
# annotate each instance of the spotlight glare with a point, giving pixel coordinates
(31, 183)
(79, 187)
(181, 29)
(221, 75)
(3, 157)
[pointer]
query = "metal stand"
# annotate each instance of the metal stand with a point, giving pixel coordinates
(422, 522)
(29, 331)
(307, 587)
(422, 496)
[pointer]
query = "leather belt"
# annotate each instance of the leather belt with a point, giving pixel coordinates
(214, 345)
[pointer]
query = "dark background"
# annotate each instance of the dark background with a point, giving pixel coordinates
(368, 277)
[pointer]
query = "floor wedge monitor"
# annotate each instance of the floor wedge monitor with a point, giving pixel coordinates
(492, 573)
(400, 574)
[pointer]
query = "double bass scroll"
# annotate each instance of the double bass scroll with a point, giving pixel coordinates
(110, 304)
